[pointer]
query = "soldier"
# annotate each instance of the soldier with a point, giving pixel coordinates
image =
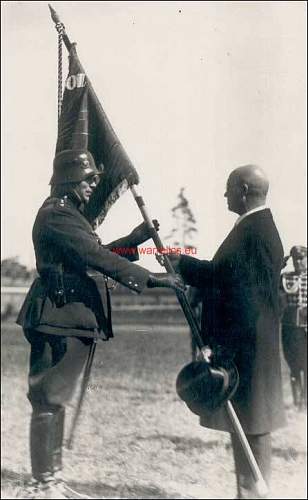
(68, 306)
(294, 324)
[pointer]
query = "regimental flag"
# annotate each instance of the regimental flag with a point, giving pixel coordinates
(83, 124)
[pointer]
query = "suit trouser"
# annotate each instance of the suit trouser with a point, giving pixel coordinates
(56, 363)
(261, 448)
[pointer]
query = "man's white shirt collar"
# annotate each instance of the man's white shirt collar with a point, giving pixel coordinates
(262, 207)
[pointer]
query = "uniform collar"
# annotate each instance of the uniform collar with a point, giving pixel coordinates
(257, 209)
(76, 201)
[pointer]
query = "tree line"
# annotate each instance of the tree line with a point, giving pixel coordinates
(12, 271)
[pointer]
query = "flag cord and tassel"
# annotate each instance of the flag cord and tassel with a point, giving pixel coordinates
(60, 29)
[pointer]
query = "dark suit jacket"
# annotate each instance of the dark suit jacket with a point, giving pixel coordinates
(241, 314)
(65, 244)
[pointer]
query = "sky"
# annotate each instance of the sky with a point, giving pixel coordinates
(192, 89)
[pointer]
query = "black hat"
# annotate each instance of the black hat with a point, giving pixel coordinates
(73, 165)
(205, 388)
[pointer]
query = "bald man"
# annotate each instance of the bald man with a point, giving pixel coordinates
(240, 318)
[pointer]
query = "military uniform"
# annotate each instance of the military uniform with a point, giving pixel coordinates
(72, 261)
(66, 307)
(294, 328)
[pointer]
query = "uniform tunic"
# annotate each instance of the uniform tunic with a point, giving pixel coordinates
(294, 321)
(294, 289)
(71, 258)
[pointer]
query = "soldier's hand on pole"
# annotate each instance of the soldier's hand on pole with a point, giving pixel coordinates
(176, 282)
(173, 281)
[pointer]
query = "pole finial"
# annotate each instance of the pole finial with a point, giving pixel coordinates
(54, 15)
(60, 27)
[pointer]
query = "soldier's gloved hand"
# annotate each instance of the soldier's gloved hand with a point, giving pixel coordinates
(142, 233)
(169, 281)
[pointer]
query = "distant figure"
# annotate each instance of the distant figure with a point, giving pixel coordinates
(294, 324)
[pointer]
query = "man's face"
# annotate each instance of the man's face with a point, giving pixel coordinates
(299, 263)
(85, 188)
(234, 195)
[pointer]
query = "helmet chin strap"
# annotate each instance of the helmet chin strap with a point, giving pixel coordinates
(78, 200)
(77, 195)
(74, 193)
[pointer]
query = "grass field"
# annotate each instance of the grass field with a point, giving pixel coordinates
(135, 438)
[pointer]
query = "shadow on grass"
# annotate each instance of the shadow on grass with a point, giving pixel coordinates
(289, 453)
(182, 443)
(187, 445)
(14, 478)
(11, 480)
(103, 490)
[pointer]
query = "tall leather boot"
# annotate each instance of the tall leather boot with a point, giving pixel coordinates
(59, 417)
(46, 435)
(42, 438)
(46, 438)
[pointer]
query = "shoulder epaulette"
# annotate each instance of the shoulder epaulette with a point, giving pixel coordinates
(62, 202)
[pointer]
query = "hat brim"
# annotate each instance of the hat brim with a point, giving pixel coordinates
(206, 388)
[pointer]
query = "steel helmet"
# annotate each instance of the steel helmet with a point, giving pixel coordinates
(73, 165)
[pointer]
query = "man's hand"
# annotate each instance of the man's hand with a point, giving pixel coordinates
(141, 233)
(173, 281)
(206, 354)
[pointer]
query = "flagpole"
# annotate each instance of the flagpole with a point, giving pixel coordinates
(187, 310)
